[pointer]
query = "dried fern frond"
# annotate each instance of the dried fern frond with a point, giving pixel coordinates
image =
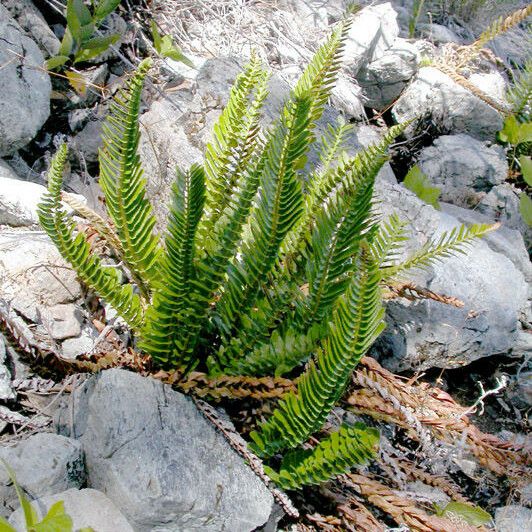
(401, 509)
(433, 410)
(502, 25)
(355, 516)
(412, 292)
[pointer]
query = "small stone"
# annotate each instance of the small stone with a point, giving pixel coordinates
(6, 391)
(44, 464)
(86, 507)
(438, 34)
(63, 321)
(71, 348)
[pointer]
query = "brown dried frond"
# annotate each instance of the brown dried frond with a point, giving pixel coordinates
(327, 523)
(379, 391)
(401, 509)
(413, 472)
(502, 25)
(355, 516)
(228, 387)
(412, 292)
(454, 74)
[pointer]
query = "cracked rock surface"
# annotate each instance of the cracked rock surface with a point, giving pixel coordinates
(25, 88)
(160, 461)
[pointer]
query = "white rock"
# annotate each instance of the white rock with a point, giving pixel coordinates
(18, 199)
(24, 86)
(72, 348)
(373, 31)
(438, 34)
(452, 108)
(63, 321)
(86, 507)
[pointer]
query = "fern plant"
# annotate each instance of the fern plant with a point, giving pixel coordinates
(268, 263)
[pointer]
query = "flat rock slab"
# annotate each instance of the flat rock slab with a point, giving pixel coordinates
(87, 508)
(150, 450)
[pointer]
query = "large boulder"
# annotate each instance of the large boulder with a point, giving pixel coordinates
(150, 450)
(25, 87)
(429, 334)
(453, 108)
(44, 464)
(462, 167)
(86, 507)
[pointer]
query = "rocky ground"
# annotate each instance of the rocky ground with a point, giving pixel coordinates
(118, 447)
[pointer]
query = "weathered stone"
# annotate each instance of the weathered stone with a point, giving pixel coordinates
(373, 31)
(31, 20)
(462, 166)
(44, 464)
(72, 348)
(453, 108)
(347, 98)
(430, 334)
(438, 34)
(6, 392)
(86, 507)
(160, 461)
(34, 275)
(25, 88)
(512, 518)
(383, 80)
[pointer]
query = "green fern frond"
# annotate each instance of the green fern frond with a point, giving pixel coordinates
(520, 93)
(76, 250)
(338, 182)
(228, 155)
(279, 355)
(450, 243)
(333, 456)
(387, 243)
(279, 205)
(171, 327)
(357, 322)
(502, 25)
(123, 185)
(319, 77)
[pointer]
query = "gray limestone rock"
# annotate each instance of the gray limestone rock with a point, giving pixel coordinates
(383, 80)
(166, 467)
(462, 166)
(25, 88)
(44, 464)
(86, 507)
(453, 108)
(430, 334)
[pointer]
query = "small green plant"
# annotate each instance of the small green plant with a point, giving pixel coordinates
(79, 41)
(466, 513)
(417, 9)
(269, 265)
(165, 46)
(55, 520)
(419, 184)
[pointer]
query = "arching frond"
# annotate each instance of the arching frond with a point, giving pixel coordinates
(333, 456)
(356, 323)
(106, 281)
(450, 243)
(123, 185)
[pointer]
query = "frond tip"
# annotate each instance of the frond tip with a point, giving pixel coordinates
(334, 455)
